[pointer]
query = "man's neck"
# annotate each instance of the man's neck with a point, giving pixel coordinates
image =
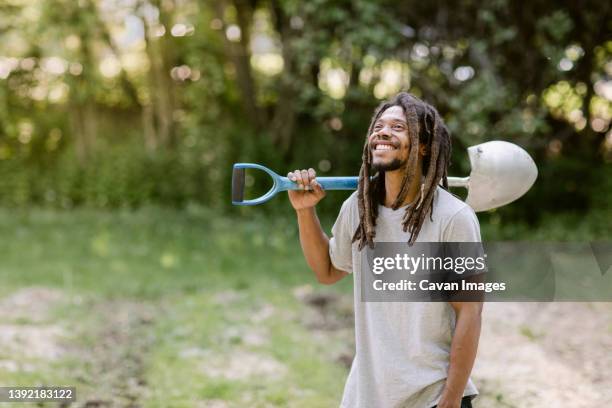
(393, 185)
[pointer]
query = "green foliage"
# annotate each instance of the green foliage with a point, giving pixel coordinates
(118, 176)
(152, 102)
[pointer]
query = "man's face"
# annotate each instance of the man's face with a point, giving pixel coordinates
(389, 141)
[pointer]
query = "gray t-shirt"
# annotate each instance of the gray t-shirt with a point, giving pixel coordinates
(402, 348)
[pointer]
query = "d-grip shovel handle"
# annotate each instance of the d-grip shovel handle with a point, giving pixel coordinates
(280, 184)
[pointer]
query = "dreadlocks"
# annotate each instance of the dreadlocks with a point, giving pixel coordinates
(425, 127)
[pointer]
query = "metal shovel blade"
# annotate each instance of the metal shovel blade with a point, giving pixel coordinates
(501, 173)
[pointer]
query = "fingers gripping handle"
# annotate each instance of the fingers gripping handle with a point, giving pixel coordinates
(331, 183)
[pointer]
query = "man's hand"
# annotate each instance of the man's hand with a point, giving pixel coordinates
(445, 403)
(310, 192)
(463, 352)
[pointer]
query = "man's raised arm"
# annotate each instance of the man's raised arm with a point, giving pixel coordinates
(315, 244)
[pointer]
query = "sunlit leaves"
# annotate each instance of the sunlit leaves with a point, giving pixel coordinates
(564, 101)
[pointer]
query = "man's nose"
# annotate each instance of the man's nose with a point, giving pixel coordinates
(384, 132)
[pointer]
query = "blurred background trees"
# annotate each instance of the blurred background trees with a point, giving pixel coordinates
(114, 103)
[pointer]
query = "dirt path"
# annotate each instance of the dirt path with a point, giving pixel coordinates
(29, 336)
(530, 354)
(545, 355)
(116, 361)
(110, 367)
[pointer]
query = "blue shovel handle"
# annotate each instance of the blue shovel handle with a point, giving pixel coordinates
(281, 184)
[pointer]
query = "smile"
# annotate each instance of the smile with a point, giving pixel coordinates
(383, 147)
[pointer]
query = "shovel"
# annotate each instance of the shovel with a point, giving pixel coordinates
(501, 173)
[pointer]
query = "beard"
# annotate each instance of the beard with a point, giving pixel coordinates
(394, 164)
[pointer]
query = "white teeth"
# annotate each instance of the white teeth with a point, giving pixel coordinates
(384, 147)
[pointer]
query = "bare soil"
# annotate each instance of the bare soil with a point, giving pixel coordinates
(530, 354)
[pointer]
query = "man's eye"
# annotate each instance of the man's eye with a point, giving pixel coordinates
(398, 127)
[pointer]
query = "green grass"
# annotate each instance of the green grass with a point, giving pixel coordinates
(168, 307)
(180, 265)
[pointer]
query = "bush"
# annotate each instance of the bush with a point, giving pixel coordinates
(119, 176)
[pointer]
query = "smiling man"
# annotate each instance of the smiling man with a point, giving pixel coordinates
(408, 354)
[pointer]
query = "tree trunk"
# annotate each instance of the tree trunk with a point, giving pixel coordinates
(283, 122)
(240, 55)
(158, 112)
(83, 104)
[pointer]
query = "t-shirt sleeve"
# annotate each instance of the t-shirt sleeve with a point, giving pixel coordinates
(463, 227)
(340, 245)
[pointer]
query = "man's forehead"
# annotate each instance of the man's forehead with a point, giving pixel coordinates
(393, 113)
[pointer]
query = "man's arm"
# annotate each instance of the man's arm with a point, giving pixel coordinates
(464, 227)
(463, 352)
(315, 244)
